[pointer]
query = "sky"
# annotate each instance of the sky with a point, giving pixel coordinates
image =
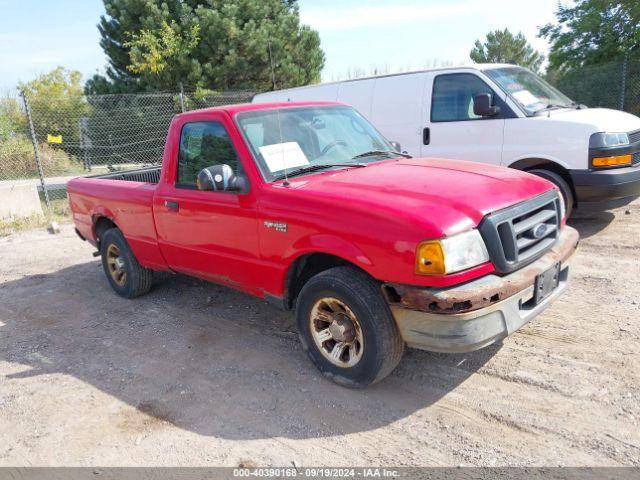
(38, 35)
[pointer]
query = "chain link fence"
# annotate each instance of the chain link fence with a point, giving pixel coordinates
(614, 85)
(54, 139)
(16, 152)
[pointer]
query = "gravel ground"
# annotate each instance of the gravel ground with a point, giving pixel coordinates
(196, 374)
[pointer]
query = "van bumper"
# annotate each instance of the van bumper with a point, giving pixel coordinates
(598, 190)
(478, 313)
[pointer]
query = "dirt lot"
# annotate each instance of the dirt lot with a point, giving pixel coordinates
(201, 375)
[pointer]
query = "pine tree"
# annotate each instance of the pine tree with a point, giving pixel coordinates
(502, 46)
(215, 44)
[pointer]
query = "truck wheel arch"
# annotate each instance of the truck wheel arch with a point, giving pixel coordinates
(306, 266)
(101, 224)
(528, 164)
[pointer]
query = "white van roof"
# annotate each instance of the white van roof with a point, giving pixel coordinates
(474, 66)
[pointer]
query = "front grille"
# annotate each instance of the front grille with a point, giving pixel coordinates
(518, 235)
(634, 136)
(635, 159)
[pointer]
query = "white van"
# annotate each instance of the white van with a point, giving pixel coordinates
(499, 114)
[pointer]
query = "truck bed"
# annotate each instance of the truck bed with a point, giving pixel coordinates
(146, 175)
(126, 200)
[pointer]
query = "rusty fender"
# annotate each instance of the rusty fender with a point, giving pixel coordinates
(483, 292)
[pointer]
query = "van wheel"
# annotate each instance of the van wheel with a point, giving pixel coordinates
(121, 267)
(561, 183)
(346, 327)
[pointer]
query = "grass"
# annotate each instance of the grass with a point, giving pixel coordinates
(17, 160)
(59, 213)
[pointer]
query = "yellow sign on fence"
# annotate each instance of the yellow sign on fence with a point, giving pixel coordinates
(54, 138)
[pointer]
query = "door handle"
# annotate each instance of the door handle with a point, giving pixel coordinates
(426, 136)
(172, 206)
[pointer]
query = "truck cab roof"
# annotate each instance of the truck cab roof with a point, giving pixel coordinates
(232, 110)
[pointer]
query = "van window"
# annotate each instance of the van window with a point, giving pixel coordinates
(202, 145)
(452, 98)
(529, 90)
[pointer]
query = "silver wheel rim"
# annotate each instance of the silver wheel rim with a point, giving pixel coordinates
(116, 265)
(336, 332)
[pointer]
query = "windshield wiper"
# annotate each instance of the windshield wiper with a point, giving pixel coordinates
(551, 106)
(388, 153)
(315, 168)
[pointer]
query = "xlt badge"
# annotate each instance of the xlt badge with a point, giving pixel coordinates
(277, 226)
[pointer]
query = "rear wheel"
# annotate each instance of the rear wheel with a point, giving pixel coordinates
(561, 183)
(126, 276)
(347, 328)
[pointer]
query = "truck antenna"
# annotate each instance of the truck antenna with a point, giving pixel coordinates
(284, 163)
(273, 71)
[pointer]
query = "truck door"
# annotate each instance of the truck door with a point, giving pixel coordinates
(210, 234)
(452, 130)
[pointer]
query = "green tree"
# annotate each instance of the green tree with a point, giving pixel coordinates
(593, 32)
(12, 118)
(218, 44)
(155, 51)
(502, 46)
(57, 104)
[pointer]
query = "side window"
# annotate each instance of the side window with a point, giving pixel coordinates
(452, 98)
(203, 144)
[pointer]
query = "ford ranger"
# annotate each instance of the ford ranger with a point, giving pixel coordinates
(307, 206)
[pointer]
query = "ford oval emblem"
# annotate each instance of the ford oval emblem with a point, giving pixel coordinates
(539, 230)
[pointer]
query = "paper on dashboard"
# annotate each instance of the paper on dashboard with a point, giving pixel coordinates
(283, 155)
(525, 97)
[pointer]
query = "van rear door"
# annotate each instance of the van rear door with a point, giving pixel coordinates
(322, 92)
(452, 130)
(358, 94)
(396, 109)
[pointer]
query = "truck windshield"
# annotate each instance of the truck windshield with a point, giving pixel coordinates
(530, 91)
(307, 139)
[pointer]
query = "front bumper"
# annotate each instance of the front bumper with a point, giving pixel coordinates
(598, 190)
(471, 316)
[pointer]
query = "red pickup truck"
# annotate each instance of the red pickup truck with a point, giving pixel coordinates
(307, 206)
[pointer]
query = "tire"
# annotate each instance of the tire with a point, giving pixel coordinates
(350, 298)
(561, 183)
(124, 273)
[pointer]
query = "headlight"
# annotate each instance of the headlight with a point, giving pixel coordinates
(605, 139)
(451, 254)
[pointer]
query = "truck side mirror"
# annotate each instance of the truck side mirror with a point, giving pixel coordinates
(482, 105)
(396, 146)
(220, 178)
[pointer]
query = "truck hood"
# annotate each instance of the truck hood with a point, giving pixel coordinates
(597, 119)
(446, 196)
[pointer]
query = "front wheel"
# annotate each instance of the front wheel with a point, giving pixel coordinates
(561, 183)
(126, 276)
(347, 328)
